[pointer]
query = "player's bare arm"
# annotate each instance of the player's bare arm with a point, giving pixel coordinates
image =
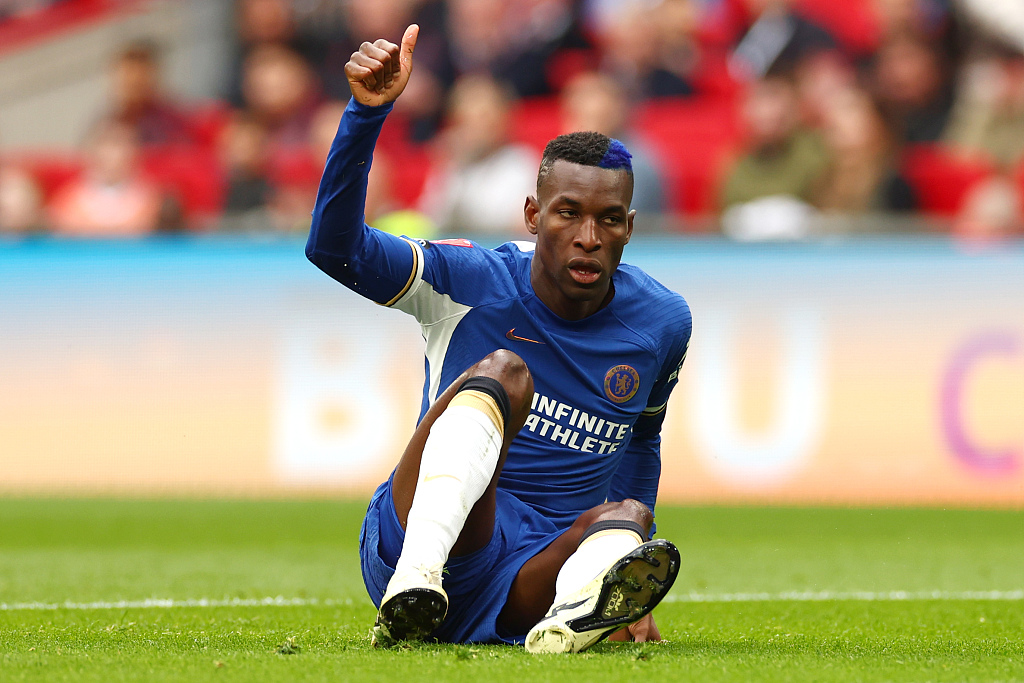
(378, 72)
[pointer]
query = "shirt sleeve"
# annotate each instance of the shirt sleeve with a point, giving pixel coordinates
(374, 264)
(639, 471)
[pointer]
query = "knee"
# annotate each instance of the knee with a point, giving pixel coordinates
(628, 510)
(511, 370)
(636, 511)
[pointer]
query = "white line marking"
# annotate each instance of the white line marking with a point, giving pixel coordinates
(160, 603)
(851, 596)
(787, 596)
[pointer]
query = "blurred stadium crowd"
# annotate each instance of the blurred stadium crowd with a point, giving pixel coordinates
(760, 118)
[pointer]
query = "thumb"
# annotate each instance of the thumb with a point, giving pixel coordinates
(408, 45)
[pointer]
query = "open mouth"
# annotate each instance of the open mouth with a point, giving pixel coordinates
(584, 272)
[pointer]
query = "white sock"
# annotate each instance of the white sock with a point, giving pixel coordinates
(458, 462)
(593, 556)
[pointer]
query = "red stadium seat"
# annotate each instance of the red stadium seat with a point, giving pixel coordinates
(191, 174)
(409, 169)
(942, 179)
(852, 22)
(207, 122)
(536, 120)
(51, 170)
(693, 135)
(295, 167)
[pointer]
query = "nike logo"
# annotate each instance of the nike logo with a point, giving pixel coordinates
(564, 606)
(432, 477)
(511, 335)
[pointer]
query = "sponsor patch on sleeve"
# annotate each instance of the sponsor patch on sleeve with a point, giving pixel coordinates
(458, 242)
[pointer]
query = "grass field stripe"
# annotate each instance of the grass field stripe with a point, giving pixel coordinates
(851, 596)
(787, 596)
(161, 603)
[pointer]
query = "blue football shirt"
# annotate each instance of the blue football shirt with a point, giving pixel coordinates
(601, 384)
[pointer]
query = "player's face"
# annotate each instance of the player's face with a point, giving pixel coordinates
(582, 221)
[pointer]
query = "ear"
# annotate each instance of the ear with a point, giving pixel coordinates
(532, 211)
(629, 225)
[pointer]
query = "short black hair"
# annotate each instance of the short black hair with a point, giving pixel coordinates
(586, 149)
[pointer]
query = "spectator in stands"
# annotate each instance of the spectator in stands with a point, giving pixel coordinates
(862, 175)
(280, 93)
(112, 198)
(295, 169)
(479, 180)
(922, 17)
(768, 192)
(20, 202)
(992, 211)
(422, 104)
(820, 78)
(243, 148)
(912, 86)
(987, 126)
(137, 98)
(778, 38)
(988, 118)
(477, 30)
(546, 49)
(264, 22)
(679, 54)
(782, 157)
(259, 23)
(595, 101)
(661, 64)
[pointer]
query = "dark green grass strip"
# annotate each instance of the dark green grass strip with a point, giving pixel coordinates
(919, 641)
(84, 550)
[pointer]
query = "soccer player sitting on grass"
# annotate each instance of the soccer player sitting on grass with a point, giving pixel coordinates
(521, 508)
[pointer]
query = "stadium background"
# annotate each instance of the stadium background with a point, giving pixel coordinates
(859, 343)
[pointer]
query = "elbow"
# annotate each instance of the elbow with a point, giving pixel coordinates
(311, 252)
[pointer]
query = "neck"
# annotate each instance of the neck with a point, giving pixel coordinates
(561, 305)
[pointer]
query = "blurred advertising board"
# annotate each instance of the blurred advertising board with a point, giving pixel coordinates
(861, 372)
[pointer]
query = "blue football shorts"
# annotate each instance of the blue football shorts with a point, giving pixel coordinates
(477, 584)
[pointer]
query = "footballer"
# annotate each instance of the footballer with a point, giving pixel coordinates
(520, 511)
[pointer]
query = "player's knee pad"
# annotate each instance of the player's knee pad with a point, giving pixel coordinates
(614, 526)
(488, 395)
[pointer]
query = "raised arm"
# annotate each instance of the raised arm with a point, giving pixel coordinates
(374, 264)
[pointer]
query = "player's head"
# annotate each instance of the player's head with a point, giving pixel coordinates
(582, 221)
(586, 149)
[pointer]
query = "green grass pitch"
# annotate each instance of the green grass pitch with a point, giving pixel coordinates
(765, 594)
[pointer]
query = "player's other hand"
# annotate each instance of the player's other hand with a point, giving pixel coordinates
(378, 72)
(640, 632)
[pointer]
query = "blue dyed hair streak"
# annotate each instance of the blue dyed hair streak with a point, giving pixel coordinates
(617, 157)
(587, 149)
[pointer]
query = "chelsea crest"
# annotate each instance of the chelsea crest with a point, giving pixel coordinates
(621, 383)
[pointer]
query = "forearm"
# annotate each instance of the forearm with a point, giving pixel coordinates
(639, 472)
(374, 264)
